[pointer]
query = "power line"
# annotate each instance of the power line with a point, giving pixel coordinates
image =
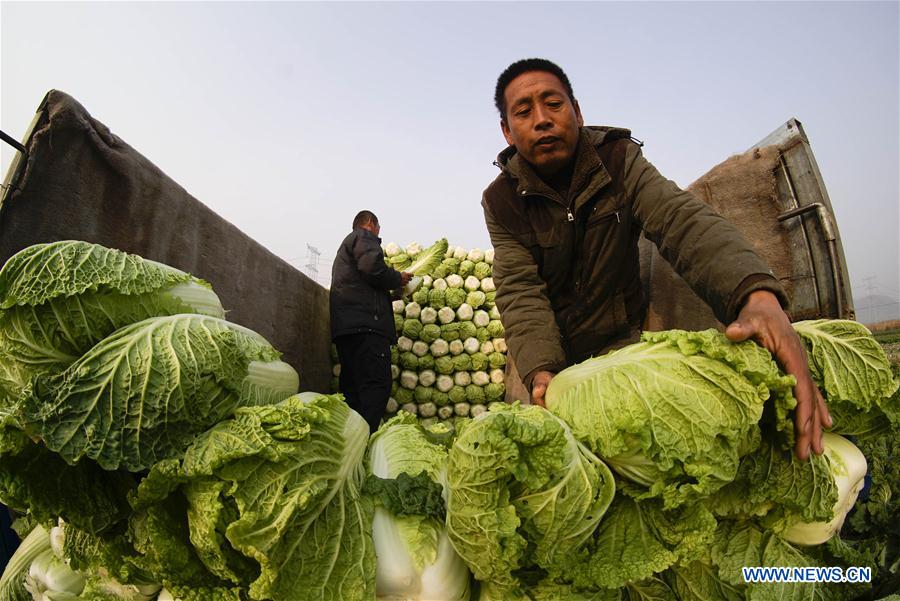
(866, 308)
(870, 285)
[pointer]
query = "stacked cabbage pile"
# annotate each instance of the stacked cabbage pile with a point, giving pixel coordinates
(450, 357)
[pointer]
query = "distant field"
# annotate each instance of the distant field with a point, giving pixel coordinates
(888, 334)
(887, 337)
(884, 326)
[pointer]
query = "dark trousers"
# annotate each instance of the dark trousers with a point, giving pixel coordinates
(365, 374)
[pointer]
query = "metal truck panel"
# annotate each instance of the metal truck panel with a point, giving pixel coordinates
(774, 194)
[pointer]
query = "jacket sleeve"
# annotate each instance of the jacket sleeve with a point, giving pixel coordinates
(369, 260)
(532, 335)
(707, 251)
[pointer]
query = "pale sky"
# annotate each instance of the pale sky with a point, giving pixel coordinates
(287, 118)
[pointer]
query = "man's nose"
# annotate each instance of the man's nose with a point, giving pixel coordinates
(542, 118)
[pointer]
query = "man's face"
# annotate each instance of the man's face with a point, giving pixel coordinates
(541, 121)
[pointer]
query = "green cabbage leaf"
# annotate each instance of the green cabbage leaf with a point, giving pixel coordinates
(523, 494)
(275, 495)
(428, 259)
(637, 539)
(674, 413)
(853, 373)
(58, 300)
(142, 394)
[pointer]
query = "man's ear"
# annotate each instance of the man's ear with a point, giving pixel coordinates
(578, 113)
(504, 126)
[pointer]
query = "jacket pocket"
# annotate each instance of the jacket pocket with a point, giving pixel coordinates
(549, 238)
(556, 245)
(593, 327)
(601, 215)
(601, 248)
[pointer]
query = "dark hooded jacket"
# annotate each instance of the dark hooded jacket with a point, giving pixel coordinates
(360, 287)
(567, 267)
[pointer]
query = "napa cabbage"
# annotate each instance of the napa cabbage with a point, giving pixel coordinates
(495, 392)
(476, 299)
(637, 539)
(674, 413)
(450, 331)
(451, 264)
(436, 298)
(143, 393)
(467, 329)
(57, 300)
(847, 468)
(272, 500)
(420, 349)
(744, 543)
(455, 296)
(523, 493)
(412, 328)
(414, 557)
(17, 570)
(426, 362)
(854, 375)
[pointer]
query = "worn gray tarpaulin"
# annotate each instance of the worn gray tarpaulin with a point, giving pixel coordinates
(80, 181)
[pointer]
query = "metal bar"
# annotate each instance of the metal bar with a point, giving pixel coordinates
(20, 159)
(787, 178)
(799, 211)
(13, 142)
(830, 241)
(832, 255)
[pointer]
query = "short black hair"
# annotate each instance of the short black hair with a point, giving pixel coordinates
(364, 217)
(524, 66)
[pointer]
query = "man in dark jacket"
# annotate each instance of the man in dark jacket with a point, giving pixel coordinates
(362, 322)
(565, 215)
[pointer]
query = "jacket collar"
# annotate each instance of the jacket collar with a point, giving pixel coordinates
(588, 177)
(366, 233)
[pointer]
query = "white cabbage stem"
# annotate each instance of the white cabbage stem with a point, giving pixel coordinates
(50, 578)
(848, 466)
(200, 298)
(270, 381)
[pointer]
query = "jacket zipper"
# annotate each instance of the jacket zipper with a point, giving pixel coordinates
(609, 215)
(375, 295)
(569, 215)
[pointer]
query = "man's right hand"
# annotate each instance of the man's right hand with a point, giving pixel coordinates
(763, 320)
(405, 277)
(539, 387)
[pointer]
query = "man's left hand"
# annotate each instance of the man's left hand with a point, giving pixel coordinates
(763, 320)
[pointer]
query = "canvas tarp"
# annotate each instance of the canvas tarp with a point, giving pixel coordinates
(82, 182)
(742, 189)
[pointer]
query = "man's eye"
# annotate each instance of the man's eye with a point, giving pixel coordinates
(522, 112)
(555, 104)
